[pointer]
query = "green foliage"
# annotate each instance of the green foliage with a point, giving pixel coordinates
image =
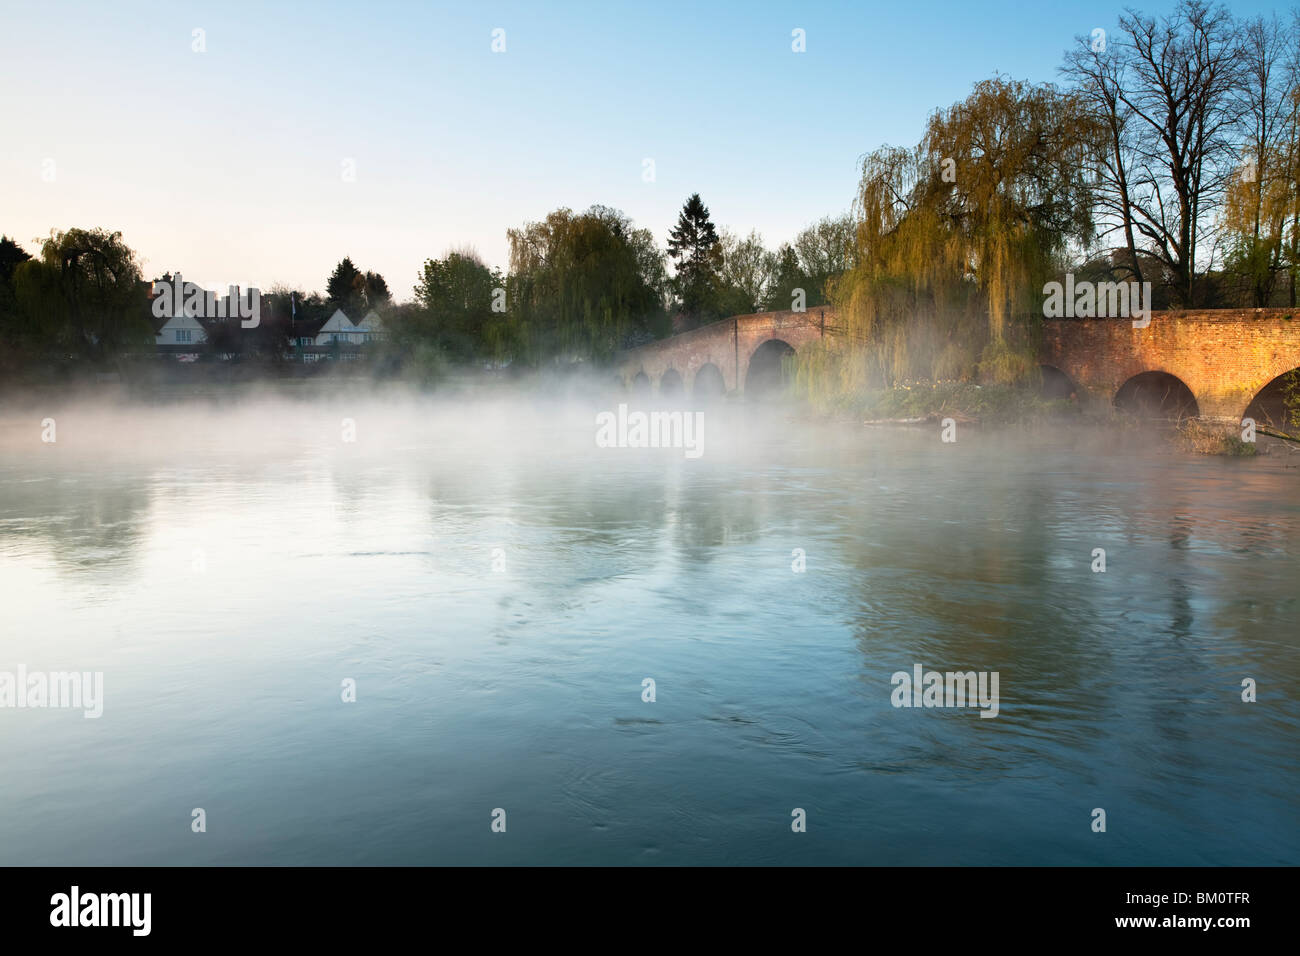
(955, 238)
(787, 276)
(819, 255)
(1291, 398)
(84, 296)
(583, 286)
(302, 308)
(11, 256)
(343, 288)
(823, 252)
(356, 292)
(745, 275)
(963, 401)
(272, 338)
(695, 248)
(454, 297)
(374, 291)
(424, 362)
(1010, 363)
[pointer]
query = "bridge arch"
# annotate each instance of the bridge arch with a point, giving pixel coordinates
(640, 383)
(767, 373)
(670, 383)
(709, 382)
(1268, 407)
(1156, 394)
(729, 345)
(1056, 384)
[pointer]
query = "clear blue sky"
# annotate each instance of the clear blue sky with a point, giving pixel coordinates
(227, 164)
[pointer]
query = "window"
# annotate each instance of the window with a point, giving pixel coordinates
(183, 335)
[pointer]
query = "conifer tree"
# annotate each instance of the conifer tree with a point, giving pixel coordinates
(694, 246)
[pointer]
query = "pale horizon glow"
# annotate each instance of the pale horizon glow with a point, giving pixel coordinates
(226, 165)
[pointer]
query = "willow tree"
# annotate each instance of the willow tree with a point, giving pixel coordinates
(956, 236)
(12, 255)
(84, 296)
(584, 285)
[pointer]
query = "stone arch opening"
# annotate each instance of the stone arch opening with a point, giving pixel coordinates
(1056, 384)
(640, 383)
(1157, 395)
(1269, 406)
(670, 383)
(709, 383)
(769, 370)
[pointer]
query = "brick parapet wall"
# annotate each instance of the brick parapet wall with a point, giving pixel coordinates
(1224, 356)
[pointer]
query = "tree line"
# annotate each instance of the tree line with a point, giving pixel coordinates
(579, 288)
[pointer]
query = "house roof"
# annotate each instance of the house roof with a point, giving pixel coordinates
(180, 320)
(338, 322)
(300, 328)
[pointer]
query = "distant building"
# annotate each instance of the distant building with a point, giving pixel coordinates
(181, 330)
(339, 329)
(371, 327)
(184, 337)
(303, 333)
(178, 334)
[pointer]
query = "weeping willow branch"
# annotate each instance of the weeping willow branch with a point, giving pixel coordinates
(957, 235)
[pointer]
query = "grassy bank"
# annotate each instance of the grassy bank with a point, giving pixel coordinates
(1214, 438)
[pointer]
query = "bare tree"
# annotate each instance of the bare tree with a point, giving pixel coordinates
(1292, 139)
(747, 267)
(1258, 201)
(1263, 103)
(1099, 77)
(1181, 76)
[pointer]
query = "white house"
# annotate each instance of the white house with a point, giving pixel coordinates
(181, 330)
(371, 327)
(339, 328)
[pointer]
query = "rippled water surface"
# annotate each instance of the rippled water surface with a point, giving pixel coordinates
(227, 567)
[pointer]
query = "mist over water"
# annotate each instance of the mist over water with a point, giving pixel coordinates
(499, 587)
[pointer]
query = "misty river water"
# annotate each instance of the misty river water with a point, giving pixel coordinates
(499, 588)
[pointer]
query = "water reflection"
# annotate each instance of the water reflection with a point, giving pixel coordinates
(499, 588)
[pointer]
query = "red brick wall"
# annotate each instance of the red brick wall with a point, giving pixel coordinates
(1225, 356)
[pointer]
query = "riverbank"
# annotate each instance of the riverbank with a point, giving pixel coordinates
(1005, 405)
(964, 402)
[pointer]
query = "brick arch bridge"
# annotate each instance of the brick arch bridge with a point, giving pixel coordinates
(1225, 358)
(728, 345)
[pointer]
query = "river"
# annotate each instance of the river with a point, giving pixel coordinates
(497, 589)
